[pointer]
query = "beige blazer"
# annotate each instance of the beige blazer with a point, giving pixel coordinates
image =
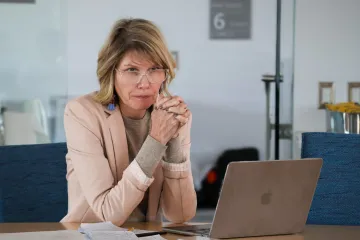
(104, 186)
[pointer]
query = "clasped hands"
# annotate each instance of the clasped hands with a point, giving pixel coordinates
(170, 114)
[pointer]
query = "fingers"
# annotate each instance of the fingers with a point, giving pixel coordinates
(179, 109)
(161, 101)
(182, 120)
(174, 121)
(171, 118)
(187, 113)
(158, 97)
(170, 102)
(161, 98)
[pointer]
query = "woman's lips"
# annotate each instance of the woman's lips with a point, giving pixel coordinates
(142, 97)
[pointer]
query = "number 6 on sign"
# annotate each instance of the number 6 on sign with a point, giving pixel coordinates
(219, 21)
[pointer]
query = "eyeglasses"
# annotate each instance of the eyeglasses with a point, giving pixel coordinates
(153, 75)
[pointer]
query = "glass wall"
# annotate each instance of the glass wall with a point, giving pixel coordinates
(33, 71)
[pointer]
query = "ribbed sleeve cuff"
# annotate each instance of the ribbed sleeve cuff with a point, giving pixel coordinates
(150, 155)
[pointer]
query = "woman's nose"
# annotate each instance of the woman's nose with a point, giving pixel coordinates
(144, 82)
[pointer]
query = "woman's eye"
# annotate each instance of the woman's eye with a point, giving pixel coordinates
(131, 70)
(155, 68)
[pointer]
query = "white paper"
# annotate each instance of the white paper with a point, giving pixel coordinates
(139, 231)
(154, 237)
(101, 226)
(93, 230)
(53, 235)
(111, 235)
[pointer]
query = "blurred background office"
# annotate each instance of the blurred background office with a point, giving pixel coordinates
(48, 53)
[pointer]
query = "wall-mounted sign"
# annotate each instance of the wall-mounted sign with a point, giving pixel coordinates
(230, 19)
(17, 1)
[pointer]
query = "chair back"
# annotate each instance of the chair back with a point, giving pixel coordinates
(33, 185)
(337, 196)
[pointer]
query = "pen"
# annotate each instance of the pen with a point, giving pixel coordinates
(150, 233)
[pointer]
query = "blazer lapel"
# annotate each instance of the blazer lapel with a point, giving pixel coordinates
(118, 137)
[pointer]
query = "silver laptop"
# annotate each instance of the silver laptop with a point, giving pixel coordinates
(261, 198)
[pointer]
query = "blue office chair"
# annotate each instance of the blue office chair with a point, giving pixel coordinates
(33, 185)
(337, 196)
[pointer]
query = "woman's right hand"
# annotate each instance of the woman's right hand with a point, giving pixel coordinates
(164, 125)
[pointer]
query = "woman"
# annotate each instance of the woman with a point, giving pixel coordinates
(129, 143)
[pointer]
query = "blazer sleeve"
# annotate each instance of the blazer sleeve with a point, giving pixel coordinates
(178, 198)
(110, 201)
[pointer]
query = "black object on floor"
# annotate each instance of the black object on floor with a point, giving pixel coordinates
(208, 195)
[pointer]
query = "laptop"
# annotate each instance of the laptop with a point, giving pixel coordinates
(261, 198)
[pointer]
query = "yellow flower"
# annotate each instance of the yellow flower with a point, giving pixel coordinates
(345, 107)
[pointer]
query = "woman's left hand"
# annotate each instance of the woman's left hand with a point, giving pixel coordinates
(177, 106)
(183, 119)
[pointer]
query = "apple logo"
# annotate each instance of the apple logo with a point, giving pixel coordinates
(266, 198)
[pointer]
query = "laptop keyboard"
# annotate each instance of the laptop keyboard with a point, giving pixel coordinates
(201, 229)
(202, 232)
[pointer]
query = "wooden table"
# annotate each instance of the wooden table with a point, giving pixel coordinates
(312, 232)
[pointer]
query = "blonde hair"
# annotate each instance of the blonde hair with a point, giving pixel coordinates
(139, 35)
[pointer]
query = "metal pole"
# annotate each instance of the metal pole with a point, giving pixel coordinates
(277, 79)
(268, 123)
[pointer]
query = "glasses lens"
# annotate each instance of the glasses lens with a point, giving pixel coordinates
(157, 75)
(132, 77)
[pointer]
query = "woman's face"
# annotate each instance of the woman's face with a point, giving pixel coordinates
(136, 91)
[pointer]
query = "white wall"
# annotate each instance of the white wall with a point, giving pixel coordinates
(326, 49)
